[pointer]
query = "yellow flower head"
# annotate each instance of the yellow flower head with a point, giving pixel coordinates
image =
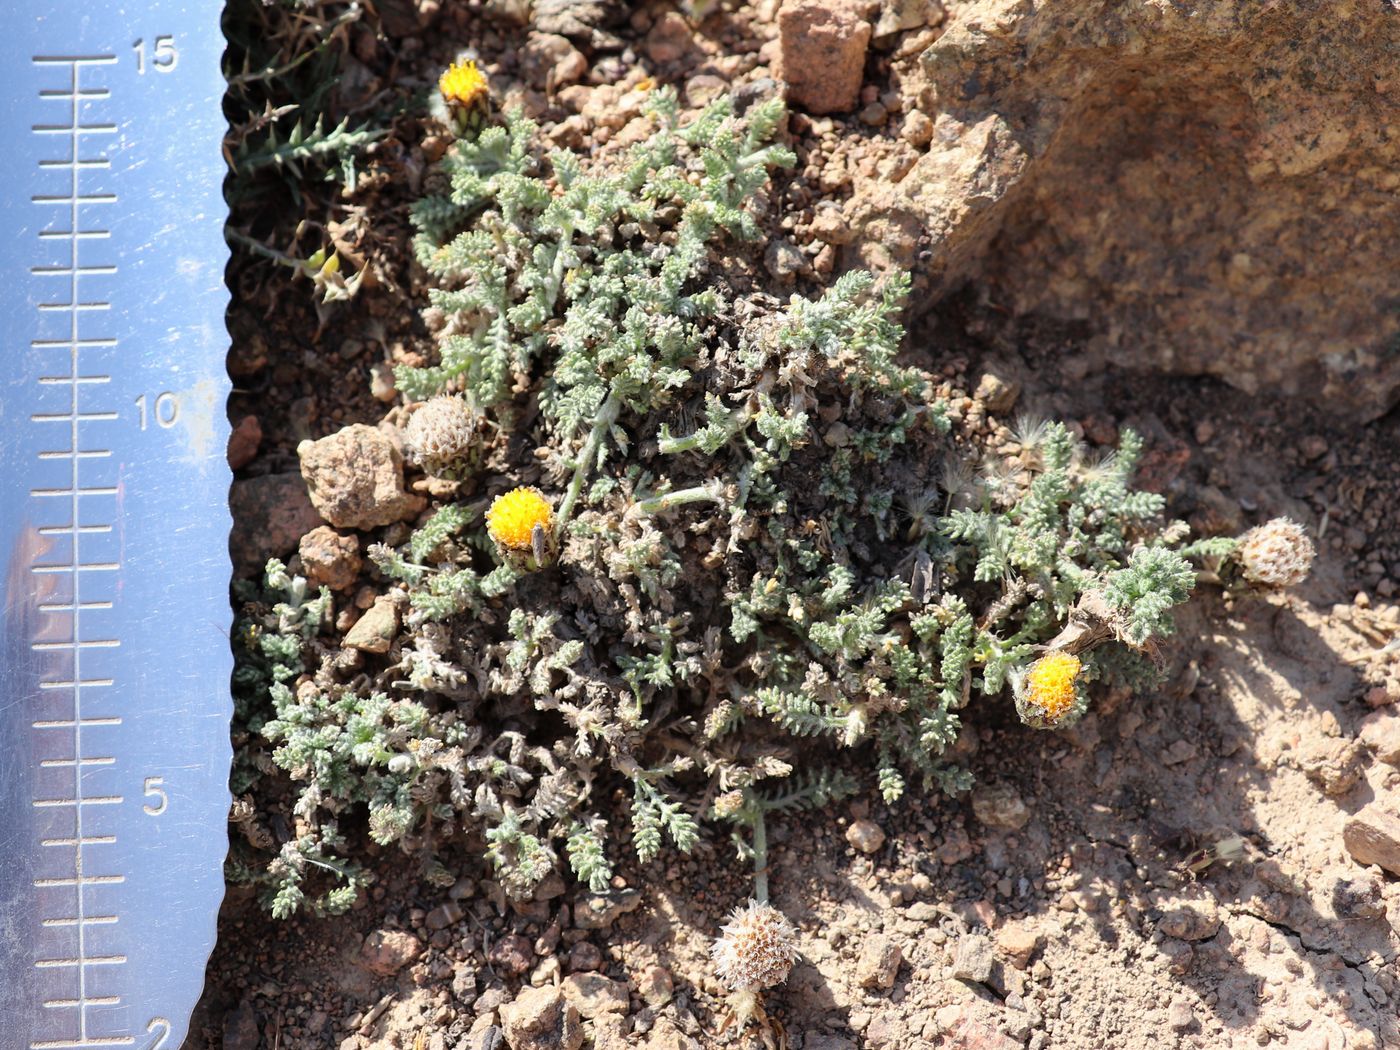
(1050, 684)
(513, 515)
(463, 84)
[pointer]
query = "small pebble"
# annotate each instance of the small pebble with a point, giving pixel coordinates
(244, 442)
(585, 956)
(783, 259)
(656, 985)
(1180, 1016)
(447, 914)
(865, 835)
(874, 114)
(917, 129)
(973, 959)
(1313, 446)
(511, 955)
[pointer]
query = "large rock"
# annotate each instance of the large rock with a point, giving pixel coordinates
(1209, 187)
(355, 478)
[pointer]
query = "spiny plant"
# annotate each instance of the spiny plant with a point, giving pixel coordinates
(281, 65)
(701, 539)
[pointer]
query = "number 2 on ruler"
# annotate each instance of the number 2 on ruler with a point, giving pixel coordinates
(164, 55)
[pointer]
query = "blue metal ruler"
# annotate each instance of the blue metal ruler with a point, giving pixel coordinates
(114, 678)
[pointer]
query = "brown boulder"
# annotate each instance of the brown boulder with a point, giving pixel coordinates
(1208, 187)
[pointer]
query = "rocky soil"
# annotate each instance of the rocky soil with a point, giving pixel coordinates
(1085, 196)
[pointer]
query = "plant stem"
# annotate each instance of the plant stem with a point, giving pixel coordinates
(760, 857)
(736, 422)
(709, 491)
(258, 248)
(607, 416)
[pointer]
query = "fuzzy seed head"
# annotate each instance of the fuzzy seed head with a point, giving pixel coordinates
(1050, 684)
(441, 435)
(1278, 553)
(513, 515)
(756, 949)
(462, 84)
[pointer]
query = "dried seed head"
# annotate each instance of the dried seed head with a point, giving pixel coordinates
(442, 436)
(514, 516)
(756, 949)
(1277, 553)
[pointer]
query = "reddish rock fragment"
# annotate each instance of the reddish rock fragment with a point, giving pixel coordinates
(355, 478)
(243, 442)
(329, 558)
(821, 54)
(386, 952)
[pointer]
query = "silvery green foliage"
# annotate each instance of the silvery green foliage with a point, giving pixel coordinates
(276, 629)
(606, 253)
(764, 562)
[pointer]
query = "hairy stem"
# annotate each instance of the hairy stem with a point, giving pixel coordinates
(760, 857)
(607, 416)
(711, 491)
(671, 445)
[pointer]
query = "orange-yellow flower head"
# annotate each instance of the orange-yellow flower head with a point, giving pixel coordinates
(1050, 685)
(513, 515)
(463, 84)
